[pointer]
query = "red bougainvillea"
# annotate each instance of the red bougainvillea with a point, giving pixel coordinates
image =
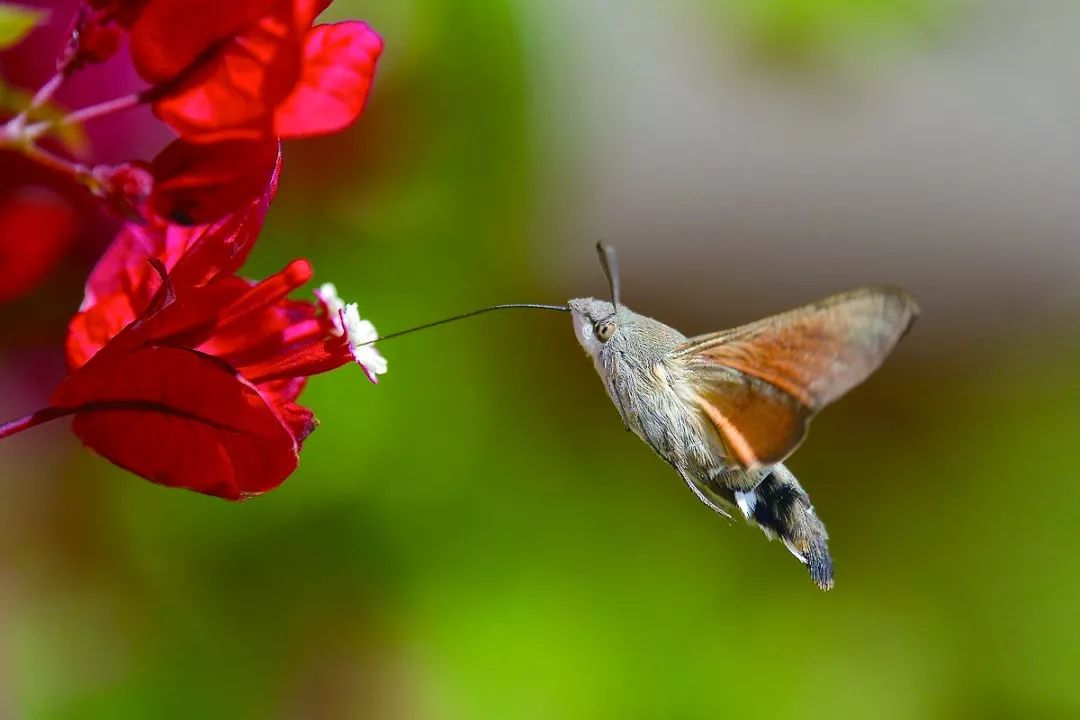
(233, 76)
(181, 370)
(188, 375)
(250, 70)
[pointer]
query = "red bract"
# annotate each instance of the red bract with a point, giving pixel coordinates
(187, 374)
(338, 65)
(252, 70)
(36, 227)
(195, 184)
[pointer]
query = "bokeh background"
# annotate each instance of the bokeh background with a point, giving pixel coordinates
(477, 537)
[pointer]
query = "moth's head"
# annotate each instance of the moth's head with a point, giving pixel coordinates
(596, 322)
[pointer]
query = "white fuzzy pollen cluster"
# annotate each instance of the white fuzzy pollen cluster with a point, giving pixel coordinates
(360, 334)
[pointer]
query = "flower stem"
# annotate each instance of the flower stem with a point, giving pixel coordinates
(32, 420)
(91, 112)
(42, 96)
(43, 157)
(103, 108)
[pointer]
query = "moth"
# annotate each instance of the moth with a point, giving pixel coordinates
(725, 409)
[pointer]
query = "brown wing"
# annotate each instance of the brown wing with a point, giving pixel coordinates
(760, 384)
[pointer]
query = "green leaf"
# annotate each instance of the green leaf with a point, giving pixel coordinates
(16, 21)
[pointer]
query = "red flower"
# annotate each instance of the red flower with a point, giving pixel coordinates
(37, 228)
(188, 375)
(251, 69)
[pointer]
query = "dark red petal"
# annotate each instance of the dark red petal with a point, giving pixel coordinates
(282, 394)
(224, 246)
(182, 419)
(197, 184)
(338, 67)
(36, 228)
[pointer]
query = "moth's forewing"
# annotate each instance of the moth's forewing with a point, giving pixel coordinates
(760, 384)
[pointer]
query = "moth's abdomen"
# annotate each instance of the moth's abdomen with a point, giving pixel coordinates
(781, 508)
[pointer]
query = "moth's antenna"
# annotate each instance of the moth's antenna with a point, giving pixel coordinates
(507, 306)
(610, 264)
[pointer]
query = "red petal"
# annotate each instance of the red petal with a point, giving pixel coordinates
(224, 246)
(268, 333)
(182, 419)
(122, 283)
(36, 228)
(281, 394)
(230, 315)
(170, 35)
(236, 79)
(311, 358)
(338, 67)
(196, 184)
(266, 293)
(305, 11)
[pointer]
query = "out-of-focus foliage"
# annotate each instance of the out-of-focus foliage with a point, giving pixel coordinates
(16, 21)
(14, 101)
(797, 31)
(477, 537)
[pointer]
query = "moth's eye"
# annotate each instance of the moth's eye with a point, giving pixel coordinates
(604, 331)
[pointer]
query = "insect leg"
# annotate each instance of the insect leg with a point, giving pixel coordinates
(692, 483)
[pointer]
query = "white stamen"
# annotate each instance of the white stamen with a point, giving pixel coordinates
(357, 332)
(327, 294)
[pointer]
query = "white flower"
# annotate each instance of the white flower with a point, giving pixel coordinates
(359, 334)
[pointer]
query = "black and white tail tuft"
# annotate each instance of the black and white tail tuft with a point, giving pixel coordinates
(782, 509)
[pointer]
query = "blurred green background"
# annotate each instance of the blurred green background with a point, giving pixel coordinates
(477, 537)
